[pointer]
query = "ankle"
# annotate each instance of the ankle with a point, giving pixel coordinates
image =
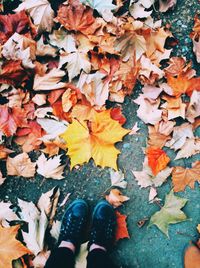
(95, 246)
(67, 244)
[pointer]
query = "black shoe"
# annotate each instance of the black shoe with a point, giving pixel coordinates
(103, 225)
(73, 223)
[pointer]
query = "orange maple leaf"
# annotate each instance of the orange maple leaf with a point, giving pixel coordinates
(182, 177)
(157, 159)
(121, 230)
(10, 248)
(76, 17)
(182, 85)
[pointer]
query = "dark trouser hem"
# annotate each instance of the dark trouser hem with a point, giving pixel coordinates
(61, 258)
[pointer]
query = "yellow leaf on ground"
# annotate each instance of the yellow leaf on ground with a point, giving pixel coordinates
(10, 248)
(94, 139)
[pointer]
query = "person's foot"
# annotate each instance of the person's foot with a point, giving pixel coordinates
(73, 223)
(103, 226)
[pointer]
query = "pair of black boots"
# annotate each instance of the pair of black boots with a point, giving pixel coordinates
(102, 229)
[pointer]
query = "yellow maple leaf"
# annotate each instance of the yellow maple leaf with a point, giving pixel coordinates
(94, 139)
(10, 248)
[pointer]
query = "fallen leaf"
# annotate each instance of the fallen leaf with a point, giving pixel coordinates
(151, 92)
(148, 110)
(76, 61)
(100, 6)
(196, 48)
(176, 66)
(11, 248)
(174, 106)
(149, 72)
(11, 119)
(156, 138)
(191, 147)
(39, 99)
(165, 5)
(48, 202)
(180, 135)
(40, 260)
(117, 179)
(55, 229)
(52, 128)
(41, 13)
(182, 177)
(62, 39)
(65, 200)
(13, 73)
(50, 168)
(137, 10)
(20, 165)
(182, 85)
(146, 178)
(69, 99)
(6, 214)
(19, 47)
(15, 23)
(157, 159)
(97, 139)
(94, 88)
(37, 224)
(116, 114)
(49, 81)
(76, 17)
(152, 194)
(192, 257)
(134, 129)
(45, 49)
(193, 109)
(115, 198)
(29, 137)
(170, 213)
(129, 43)
(4, 152)
(121, 230)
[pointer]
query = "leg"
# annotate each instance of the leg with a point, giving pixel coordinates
(62, 258)
(102, 236)
(71, 234)
(99, 258)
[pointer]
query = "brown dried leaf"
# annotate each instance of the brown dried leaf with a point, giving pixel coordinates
(115, 198)
(182, 177)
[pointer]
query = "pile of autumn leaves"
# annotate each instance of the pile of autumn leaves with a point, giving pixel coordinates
(58, 72)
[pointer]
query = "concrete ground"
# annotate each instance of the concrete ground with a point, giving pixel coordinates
(146, 247)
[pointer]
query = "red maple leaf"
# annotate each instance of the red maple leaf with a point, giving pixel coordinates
(11, 119)
(13, 73)
(11, 23)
